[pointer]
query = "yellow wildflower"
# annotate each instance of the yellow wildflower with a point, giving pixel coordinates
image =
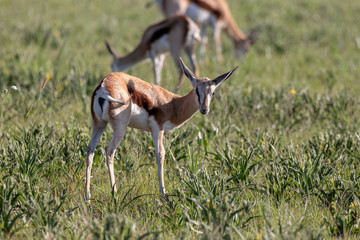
(263, 143)
(353, 205)
(57, 33)
(293, 91)
(259, 236)
(208, 201)
(6, 72)
(332, 180)
(47, 78)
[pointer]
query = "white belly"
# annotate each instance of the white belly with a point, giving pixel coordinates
(168, 126)
(200, 15)
(161, 45)
(139, 118)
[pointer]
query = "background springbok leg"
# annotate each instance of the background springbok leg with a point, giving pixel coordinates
(192, 58)
(204, 43)
(217, 39)
(158, 62)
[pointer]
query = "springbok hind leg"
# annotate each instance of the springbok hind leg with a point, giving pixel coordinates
(119, 125)
(98, 129)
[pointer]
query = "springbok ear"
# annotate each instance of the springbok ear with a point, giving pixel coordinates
(110, 49)
(223, 77)
(187, 72)
(252, 37)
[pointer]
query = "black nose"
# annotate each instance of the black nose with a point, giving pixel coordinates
(204, 111)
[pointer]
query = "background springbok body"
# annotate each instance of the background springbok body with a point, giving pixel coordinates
(126, 101)
(170, 35)
(214, 13)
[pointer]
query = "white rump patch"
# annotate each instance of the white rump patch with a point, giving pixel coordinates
(200, 15)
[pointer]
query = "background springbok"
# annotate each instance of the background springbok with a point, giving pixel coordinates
(126, 101)
(170, 35)
(214, 13)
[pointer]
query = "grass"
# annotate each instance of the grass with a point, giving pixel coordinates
(276, 158)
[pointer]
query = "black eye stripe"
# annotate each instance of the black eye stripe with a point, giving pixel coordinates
(198, 94)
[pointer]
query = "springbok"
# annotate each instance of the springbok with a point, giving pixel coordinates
(126, 101)
(170, 35)
(215, 13)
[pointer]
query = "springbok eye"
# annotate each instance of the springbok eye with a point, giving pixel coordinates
(212, 94)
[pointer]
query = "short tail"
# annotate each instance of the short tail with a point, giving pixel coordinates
(110, 98)
(101, 104)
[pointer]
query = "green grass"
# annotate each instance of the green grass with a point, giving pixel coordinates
(265, 163)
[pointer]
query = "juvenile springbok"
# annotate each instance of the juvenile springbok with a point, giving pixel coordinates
(215, 13)
(126, 101)
(170, 35)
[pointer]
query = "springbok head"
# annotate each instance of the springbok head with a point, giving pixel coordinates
(243, 46)
(204, 88)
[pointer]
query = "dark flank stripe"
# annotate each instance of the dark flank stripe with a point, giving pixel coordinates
(197, 94)
(141, 99)
(164, 27)
(159, 33)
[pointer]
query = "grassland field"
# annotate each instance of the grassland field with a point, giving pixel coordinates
(277, 157)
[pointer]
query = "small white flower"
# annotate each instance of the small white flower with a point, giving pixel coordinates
(13, 87)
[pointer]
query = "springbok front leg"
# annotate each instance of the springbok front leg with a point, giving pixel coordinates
(98, 129)
(157, 137)
(119, 124)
